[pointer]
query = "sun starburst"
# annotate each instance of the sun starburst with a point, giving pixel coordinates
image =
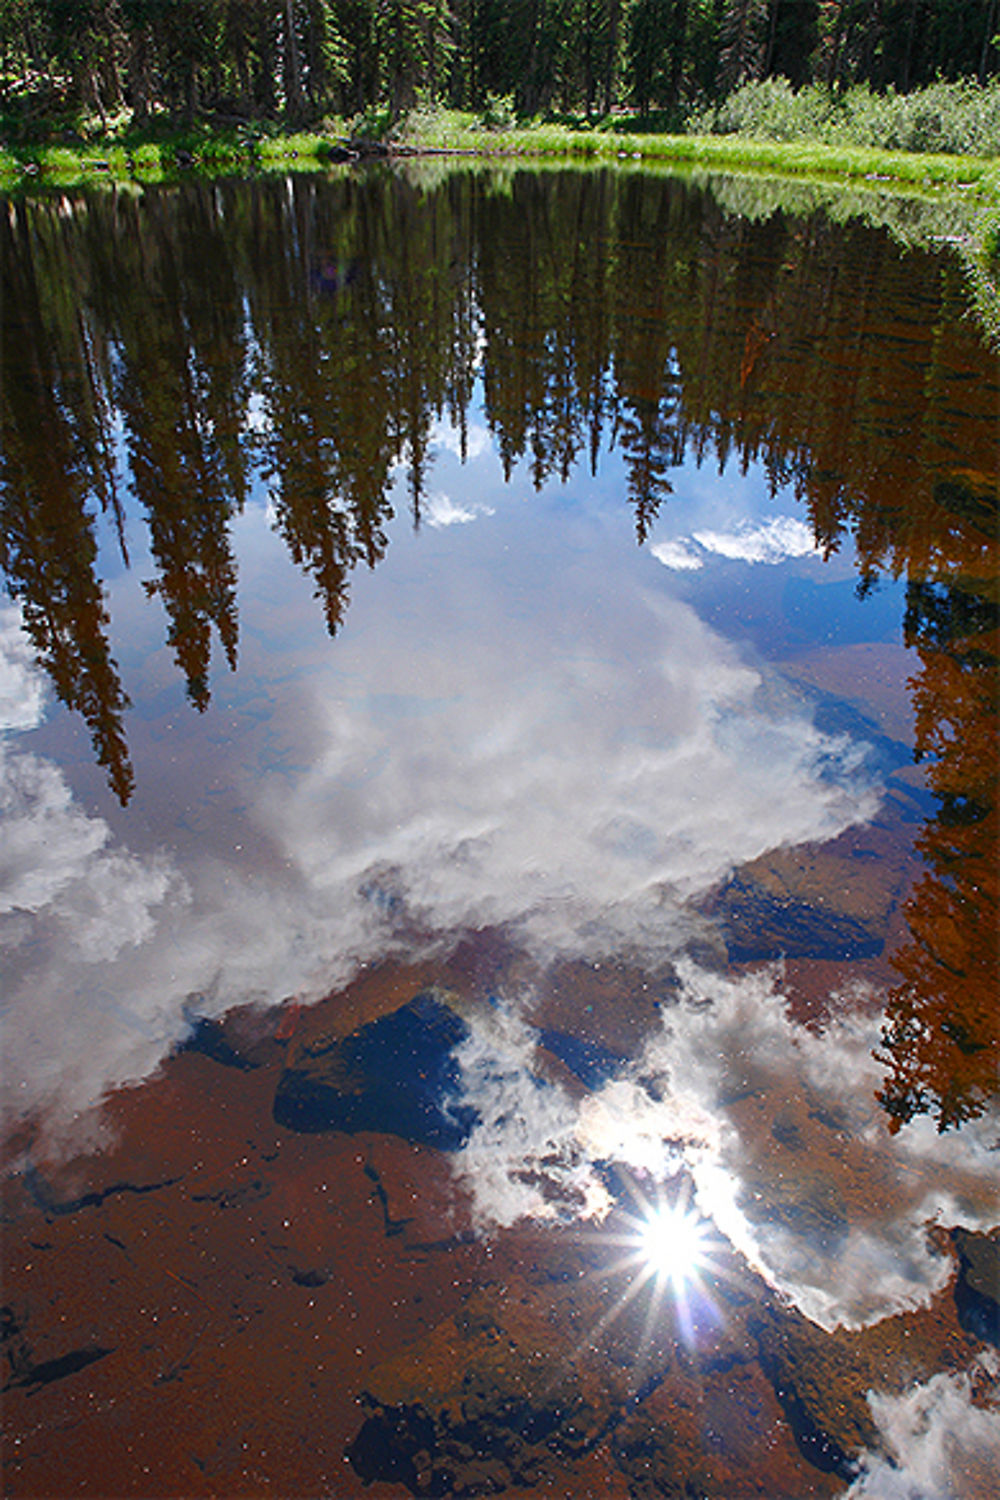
(669, 1255)
(672, 1241)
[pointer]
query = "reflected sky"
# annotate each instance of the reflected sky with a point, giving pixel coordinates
(775, 1127)
(525, 724)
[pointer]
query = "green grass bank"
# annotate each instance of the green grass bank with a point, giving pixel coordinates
(155, 154)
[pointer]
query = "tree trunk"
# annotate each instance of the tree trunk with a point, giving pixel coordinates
(771, 32)
(473, 99)
(588, 59)
(609, 71)
(138, 74)
(191, 92)
(93, 89)
(677, 52)
(988, 35)
(293, 75)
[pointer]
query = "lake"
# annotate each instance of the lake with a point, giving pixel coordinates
(499, 876)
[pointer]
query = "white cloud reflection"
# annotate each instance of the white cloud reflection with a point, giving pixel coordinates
(462, 761)
(21, 689)
(940, 1440)
(483, 765)
(838, 1225)
(677, 555)
(770, 541)
(68, 901)
(534, 783)
(441, 510)
(53, 858)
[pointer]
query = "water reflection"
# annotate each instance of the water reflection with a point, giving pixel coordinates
(583, 863)
(195, 327)
(524, 783)
(939, 1025)
(173, 344)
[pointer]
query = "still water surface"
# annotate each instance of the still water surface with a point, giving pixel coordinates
(499, 874)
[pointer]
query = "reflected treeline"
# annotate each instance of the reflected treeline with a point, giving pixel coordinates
(314, 331)
(941, 1035)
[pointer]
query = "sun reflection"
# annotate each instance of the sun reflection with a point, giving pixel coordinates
(672, 1243)
(670, 1255)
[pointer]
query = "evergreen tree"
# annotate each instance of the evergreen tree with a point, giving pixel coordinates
(645, 49)
(413, 49)
(743, 38)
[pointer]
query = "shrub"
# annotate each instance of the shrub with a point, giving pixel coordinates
(373, 124)
(953, 118)
(498, 113)
(146, 158)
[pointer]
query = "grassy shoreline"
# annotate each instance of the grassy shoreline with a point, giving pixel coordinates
(153, 154)
(922, 170)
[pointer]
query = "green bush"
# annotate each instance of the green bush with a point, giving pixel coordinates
(950, 118)
(373, 124)
(498, 113)
(991, 241)
(146, 157)
(58, 160)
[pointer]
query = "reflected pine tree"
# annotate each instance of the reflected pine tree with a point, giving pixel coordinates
(420, 253)
(327, 439)
(181, 389)
(55, 459)
(872, 474)
(656, 271)
(942, 1033)
(544, 258)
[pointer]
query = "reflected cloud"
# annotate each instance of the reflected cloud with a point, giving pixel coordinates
(520, 1159)
(771, 541)
(54, 860)
(48, 843)
(677, 555)
(22, 686)
(837, 1222)
(440, 510)
(526, 781)
(940, 1439)
(70, 905)
(522, 781)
